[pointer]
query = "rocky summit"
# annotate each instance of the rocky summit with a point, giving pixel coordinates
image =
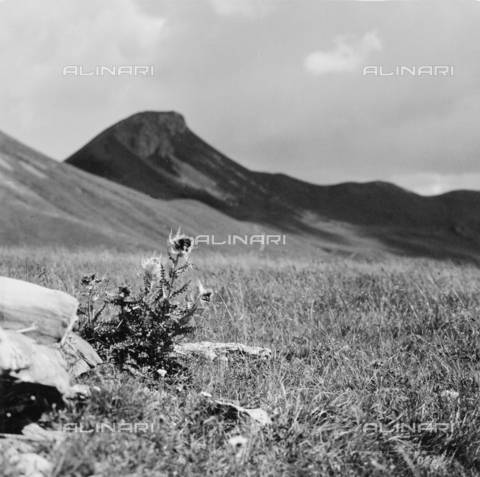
(157, 154)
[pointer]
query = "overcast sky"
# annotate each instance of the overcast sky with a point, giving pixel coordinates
(276, 85)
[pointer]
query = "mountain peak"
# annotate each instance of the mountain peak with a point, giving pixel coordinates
(152, 121)
(150, 132)
(157, 154)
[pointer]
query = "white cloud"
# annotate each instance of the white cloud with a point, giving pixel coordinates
(247, 8)
(430, 183)
(348, 55)
(53, 30)
(39, 39)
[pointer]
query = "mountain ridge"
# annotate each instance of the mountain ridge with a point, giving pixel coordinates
(157, 154)
(46, 203)
(49, 203)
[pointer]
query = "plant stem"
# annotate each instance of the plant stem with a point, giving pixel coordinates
(170, 288)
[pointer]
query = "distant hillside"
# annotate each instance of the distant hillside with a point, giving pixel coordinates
(46, 203)
(157, 154)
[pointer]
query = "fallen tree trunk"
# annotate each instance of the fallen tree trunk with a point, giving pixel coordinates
(37, 349)
(211, 350)
(40, 312)
(80, 355)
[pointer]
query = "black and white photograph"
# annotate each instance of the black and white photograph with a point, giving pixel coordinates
(239, 238)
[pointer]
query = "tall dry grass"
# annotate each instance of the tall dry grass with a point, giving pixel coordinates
(355, 342)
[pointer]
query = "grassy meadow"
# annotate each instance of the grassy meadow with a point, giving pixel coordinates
(375, 371)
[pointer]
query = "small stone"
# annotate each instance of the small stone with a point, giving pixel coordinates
(450, 394)
(33, 465)
(238, 442)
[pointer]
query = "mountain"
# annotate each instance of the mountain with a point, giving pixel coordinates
(157, 154)
(45, 203)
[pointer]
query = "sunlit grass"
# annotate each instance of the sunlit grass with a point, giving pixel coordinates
(354, 342)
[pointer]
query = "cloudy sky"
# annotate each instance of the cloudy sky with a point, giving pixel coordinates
(277, 85)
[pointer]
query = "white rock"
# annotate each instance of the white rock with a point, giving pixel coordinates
(33, 465)
(257, 415)
(239, 445)
(450, 394)
(238, 441)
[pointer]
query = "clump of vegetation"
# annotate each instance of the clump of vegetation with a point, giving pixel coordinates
(375, 372)
(143, 325)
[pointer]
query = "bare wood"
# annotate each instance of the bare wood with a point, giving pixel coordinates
(24, 305)
(212, 350)
(27, 361)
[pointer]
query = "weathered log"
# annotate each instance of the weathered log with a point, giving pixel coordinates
(42, 313)
(80, 355)
(211, 350)
(27, 361)
(37, 347)
(47, 316)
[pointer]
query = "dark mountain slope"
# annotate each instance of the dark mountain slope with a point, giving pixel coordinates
(46, 203)
(156, 153)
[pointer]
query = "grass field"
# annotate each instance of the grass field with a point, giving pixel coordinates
(375, 371)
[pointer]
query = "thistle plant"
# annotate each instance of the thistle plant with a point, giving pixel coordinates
(144, 326)
(93, 289)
